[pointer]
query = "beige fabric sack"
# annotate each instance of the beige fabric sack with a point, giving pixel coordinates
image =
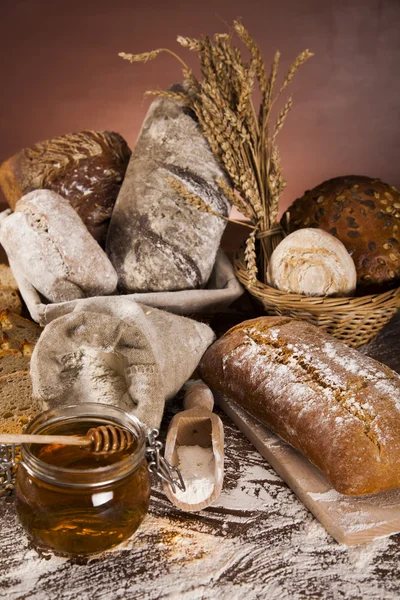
(118, 352)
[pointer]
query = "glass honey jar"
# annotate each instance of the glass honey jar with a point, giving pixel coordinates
(75, 501)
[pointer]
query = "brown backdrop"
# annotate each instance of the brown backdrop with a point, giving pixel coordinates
(60, 72)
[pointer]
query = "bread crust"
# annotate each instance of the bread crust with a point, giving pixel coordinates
(336, 406)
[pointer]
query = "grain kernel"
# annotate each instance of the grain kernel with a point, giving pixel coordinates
(389, 209)
(392, 274)
(320, 199)
(387, 246)
(393, 257)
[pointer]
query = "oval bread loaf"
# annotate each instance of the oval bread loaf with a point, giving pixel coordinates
(314, 263)
(158, 241)
(338, 407)
(47, 241)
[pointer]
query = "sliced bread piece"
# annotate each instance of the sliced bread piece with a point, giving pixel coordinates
(7, 278)
(9, 299)
(17, 407)
(12, 361)
(15, 331)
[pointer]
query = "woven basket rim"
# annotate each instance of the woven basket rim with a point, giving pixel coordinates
(345, 304)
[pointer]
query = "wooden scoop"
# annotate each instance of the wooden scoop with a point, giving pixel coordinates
(197, 425)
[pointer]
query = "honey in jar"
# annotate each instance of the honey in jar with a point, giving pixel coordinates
(73, 500)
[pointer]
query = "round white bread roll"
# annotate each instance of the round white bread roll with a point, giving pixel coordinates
(47, 241)
(311, 262)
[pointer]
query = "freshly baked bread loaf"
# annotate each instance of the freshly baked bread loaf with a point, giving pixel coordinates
(364, 214)
(48, 242)
(86, 168)
(17, 333)
(157, 241)
(17, 407)
(314, 263)
(336, 406)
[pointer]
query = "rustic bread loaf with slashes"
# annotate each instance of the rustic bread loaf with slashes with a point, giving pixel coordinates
(157, 241)
(338, 407)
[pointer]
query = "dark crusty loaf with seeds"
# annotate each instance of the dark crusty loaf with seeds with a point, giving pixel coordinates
(339, 408)
(364, 214)
(86, 168)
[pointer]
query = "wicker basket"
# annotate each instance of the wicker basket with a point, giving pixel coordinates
(355, 321)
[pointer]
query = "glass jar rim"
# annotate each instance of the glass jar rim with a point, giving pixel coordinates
(84, 478)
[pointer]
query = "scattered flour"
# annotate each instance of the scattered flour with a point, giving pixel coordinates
(197, 467)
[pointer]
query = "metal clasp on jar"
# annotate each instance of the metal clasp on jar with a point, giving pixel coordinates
(160, 466)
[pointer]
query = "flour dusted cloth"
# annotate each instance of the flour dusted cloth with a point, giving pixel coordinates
(120, 353)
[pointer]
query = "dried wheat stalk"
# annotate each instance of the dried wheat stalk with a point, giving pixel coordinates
(241, 137)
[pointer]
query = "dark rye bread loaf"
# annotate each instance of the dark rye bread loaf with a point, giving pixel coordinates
(364, 214)
(157, 241)
(86, 168)
(336, 406)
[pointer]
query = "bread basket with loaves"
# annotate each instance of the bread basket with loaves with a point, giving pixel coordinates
(361, 213)
(90, 220)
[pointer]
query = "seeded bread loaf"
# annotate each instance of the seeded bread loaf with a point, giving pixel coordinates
(364, 214)
(47, 241)
(158, 241)
(336, 406)
(86, 168)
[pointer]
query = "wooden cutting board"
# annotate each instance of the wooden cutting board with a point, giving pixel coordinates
(350, 520)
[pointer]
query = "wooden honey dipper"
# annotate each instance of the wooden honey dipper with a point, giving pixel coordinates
(105, 439)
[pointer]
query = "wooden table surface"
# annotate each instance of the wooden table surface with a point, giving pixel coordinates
(256, 542)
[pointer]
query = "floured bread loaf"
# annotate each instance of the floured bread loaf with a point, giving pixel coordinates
(47, 242)
(157, 241)
(336, 406)
(86, 168)
(124, 354)
(312, 262)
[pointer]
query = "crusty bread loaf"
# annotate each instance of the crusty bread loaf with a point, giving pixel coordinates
(17, 407)
(48, 242)
(336, 406)
(86, 168)
(17, 333)
(364, 214)
(157, 241)
(313, 263)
